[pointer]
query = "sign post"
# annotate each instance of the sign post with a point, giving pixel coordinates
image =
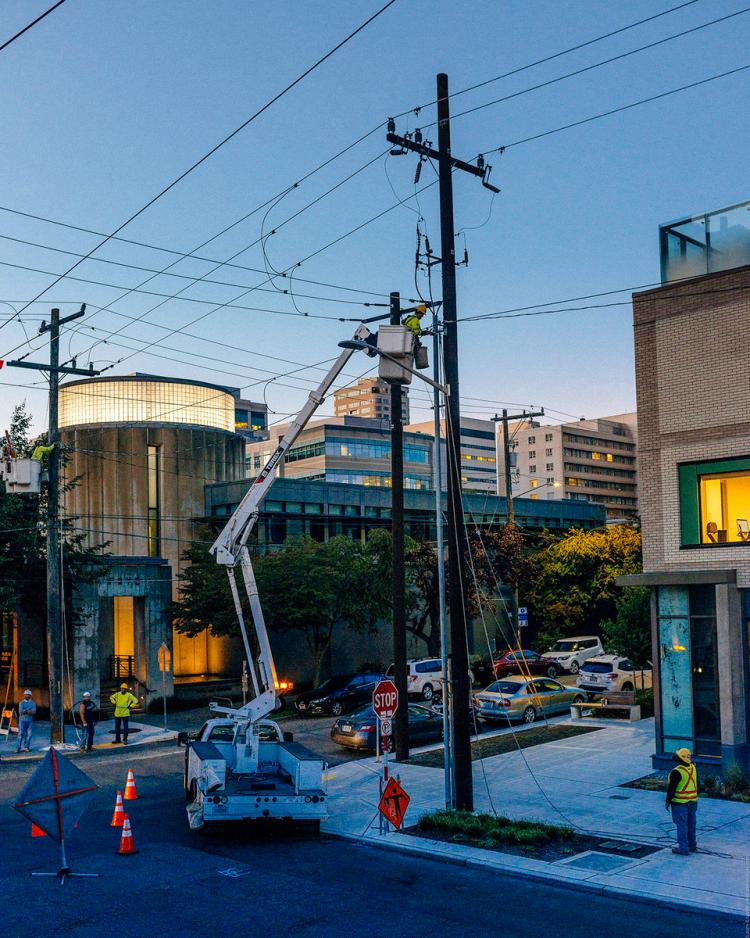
(385, 704)
(165, 664)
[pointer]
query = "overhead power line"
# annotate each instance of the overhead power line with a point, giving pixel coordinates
(221, 143)
(31, 24)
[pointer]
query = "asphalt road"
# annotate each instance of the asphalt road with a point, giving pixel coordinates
(281, 883)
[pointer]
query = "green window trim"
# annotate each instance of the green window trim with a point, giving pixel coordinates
(688, 479)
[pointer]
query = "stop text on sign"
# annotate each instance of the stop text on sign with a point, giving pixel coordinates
(385, 700)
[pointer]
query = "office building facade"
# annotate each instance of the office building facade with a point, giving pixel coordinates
(370, 398)
(589, 460)
(478, 452)
(693, 386)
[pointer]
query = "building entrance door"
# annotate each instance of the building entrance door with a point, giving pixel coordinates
(123, 662)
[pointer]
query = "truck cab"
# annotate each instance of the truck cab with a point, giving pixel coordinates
(243, 770)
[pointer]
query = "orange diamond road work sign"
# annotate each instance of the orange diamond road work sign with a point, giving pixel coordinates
(394, 803)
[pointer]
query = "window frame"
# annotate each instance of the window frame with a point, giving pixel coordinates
(688, 478)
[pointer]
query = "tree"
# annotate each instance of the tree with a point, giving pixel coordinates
(573, 586)
(308, 586)
(629, 633)
(23, 543)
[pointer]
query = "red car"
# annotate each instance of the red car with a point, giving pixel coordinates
(524, 662)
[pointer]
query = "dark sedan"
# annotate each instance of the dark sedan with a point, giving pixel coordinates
(338, 694)
(357, 731)
(524, 662)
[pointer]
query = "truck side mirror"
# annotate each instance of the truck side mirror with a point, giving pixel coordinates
(182, 738)
(288, 737)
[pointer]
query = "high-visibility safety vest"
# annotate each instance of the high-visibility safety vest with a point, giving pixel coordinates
(123, 701)
(413, 324)
(687, 787)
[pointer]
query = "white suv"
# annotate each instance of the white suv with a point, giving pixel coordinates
(424, 676)
(570, 653)
(607, 673)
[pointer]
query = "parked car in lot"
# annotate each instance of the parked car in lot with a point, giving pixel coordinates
(570, 653)
(515, 698)
(424, 677)
(357, 731)
(525, 661)
(338, 694)
(607, 673)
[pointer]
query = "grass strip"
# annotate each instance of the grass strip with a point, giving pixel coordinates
(509, 742)
(486, 830)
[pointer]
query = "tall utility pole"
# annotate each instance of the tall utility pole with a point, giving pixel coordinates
(505, 419)
(401, 718)
(54, 566)
(460, 685)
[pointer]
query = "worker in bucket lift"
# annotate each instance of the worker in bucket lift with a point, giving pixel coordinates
(40, 451)
(413, 322)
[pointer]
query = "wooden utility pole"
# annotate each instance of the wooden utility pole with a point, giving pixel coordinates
(54, 566)
(401, 718)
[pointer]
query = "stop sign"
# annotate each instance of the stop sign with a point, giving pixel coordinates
(385, 700)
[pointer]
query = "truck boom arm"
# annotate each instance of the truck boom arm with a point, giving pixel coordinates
(230, 549)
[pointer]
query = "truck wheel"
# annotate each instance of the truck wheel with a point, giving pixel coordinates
(427, 692)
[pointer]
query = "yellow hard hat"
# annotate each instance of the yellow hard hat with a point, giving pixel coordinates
(123, 686)
(684, 754)
(420, 310)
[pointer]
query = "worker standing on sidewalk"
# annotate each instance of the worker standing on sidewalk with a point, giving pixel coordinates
(682, 798)
(26, 714)
(87, 712)
(123, 702)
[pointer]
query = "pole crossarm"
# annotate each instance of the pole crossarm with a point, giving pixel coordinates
(59, 370)
(408, 144)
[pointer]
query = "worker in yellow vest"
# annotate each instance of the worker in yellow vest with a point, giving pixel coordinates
(123, 702)
(682, 799)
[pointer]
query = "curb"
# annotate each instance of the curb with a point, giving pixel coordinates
(679, 905)
(78, 754)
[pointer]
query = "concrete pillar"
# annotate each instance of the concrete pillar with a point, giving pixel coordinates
(85, 651)
(731, 675)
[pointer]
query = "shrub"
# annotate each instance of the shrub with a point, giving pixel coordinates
(486, 830)
(645, 700)
(735, 780)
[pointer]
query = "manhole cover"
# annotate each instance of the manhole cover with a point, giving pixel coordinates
(601, 862)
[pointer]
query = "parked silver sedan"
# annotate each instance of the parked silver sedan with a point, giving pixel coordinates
(516, 698)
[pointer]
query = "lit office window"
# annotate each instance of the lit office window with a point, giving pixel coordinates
(154, 497)
(725, 507)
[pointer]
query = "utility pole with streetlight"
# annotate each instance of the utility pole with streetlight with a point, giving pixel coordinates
(54, 565)
(457, 541)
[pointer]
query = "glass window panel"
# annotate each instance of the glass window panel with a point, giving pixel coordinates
(674, 665)
(725, 507)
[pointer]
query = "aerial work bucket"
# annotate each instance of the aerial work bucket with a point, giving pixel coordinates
(21, 476)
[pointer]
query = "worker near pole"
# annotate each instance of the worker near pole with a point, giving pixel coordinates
(40, 451)
(413, 322)
(123, 702)
(87, 713)
(26, 714)
(682, 798)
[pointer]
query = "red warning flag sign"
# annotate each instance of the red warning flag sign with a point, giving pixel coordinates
(394, 802)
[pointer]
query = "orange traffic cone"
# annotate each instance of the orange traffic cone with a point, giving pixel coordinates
(130, 792)
(119, 814)
(127, 844)
(36, 831)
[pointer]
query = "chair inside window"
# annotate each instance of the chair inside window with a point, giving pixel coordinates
(712, 530)
(743, 529)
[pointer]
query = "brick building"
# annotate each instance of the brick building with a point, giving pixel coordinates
(693, 389)
(369, 397)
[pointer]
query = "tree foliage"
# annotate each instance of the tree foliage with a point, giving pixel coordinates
(307, 587)
(23, 543)
(572, 587)
(629, 633)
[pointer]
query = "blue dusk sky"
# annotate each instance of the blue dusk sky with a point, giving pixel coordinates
(106, 101)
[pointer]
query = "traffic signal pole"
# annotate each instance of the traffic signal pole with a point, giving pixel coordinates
(401, 717)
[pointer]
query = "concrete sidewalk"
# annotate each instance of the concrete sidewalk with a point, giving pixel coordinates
(572, 782)
(140, 734)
